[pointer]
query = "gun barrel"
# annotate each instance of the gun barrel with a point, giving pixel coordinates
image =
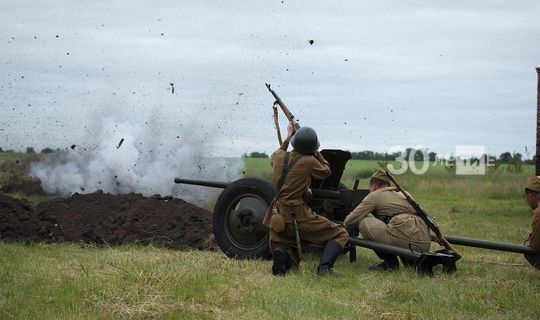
(385, 248)
(202, 183)
(326, 194)
(500, 246)
(319, 193)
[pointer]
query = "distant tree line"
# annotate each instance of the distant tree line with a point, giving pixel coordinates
(255, 155)
(511, 158)
(371, 155)
(505, 157)
(29, 150)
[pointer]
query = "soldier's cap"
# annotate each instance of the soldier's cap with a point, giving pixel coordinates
(533, 183)
(379, 174)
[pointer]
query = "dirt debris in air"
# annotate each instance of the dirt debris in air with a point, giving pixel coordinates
(120, 143)
(107, 219)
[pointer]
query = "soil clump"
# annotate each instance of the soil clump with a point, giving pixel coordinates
(107, 219)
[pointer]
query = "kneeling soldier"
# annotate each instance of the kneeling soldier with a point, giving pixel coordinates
(532, 194)
(386, 216)
(288, 217)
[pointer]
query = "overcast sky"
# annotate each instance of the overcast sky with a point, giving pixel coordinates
(378, 74)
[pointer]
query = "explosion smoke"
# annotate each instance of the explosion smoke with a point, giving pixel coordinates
(145, 162)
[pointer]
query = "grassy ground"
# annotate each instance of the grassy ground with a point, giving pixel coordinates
(75, 282)
(14, 165)
(72, 281)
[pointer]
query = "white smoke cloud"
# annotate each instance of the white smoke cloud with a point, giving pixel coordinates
(143, 157)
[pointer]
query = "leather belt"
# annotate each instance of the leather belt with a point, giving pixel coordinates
(388, 218)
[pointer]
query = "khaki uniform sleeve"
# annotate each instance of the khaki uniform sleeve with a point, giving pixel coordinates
(534, 237)
(320, 169)
(365, 207)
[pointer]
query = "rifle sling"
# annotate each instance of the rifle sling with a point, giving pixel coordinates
(286, 169)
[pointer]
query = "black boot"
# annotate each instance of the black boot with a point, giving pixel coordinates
(534, 259)
(407, 263)
(390, 262)
(282, 262)
(328, 257)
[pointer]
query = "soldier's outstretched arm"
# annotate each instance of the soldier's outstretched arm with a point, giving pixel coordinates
(365, 207)
(290, 133)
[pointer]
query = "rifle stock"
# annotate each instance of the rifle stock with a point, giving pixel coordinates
(284, 108)
(424, 215)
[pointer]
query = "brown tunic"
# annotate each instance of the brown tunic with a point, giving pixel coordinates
(299, 177)
(383, 202)
(534, 236)
(312, 227)
(400, 228)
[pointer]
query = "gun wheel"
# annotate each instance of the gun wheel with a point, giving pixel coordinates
(238, 216)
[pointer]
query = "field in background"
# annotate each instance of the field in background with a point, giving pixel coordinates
(77, 281)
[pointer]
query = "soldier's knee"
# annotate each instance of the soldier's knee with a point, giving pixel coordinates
(342, 237)
(363, 226)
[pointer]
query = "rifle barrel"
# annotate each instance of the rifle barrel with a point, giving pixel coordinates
(283, 107)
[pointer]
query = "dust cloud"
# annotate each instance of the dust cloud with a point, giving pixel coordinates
(122, 156)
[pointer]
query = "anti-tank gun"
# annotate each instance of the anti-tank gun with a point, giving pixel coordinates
(242, 205)
(240, 208)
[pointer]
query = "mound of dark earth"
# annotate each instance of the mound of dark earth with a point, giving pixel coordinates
(18, 221)
(107, 219)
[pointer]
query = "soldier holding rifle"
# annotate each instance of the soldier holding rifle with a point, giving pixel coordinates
(385, 215)
(289, 218)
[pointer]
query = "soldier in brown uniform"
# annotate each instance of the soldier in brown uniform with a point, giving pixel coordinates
(304, 163)
(532, 194)
(386, 216)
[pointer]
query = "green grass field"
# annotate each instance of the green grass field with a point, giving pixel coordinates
(77, 281)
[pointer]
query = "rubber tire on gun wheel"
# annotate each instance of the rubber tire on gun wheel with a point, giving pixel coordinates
(239, 231)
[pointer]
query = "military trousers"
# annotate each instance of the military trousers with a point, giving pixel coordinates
(312, 228)
(404, 230)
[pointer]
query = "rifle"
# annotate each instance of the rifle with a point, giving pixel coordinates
(296, 126)
(286, 111)
(424, 215)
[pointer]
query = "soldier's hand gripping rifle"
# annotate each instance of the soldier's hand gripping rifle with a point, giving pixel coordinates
(283, 107)
(425, 216)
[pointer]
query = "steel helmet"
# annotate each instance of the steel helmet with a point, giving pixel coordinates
(305, 140)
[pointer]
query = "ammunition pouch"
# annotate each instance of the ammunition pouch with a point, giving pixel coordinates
(277, 222)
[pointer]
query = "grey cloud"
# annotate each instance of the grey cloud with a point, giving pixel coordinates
(454, 68)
